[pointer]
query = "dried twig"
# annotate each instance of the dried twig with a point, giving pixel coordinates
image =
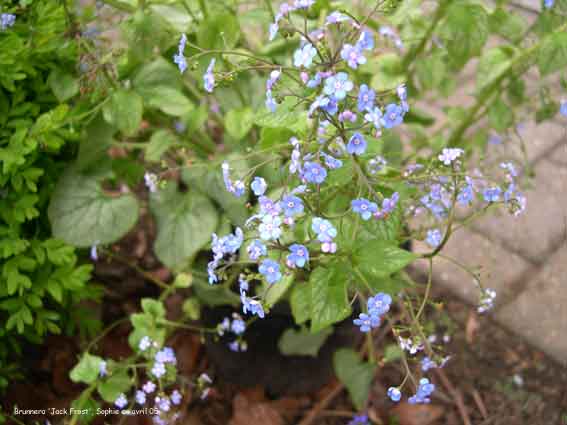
(321, 405)
(480, 404)
(457, 396)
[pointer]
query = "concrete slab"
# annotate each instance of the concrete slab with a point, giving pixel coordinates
(542, 226)
(539, 314)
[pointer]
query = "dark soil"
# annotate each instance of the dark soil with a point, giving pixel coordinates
(493, 377)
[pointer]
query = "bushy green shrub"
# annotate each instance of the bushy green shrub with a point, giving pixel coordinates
(41, 277)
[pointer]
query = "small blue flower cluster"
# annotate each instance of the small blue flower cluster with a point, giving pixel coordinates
(360, 420)
(424, 390)
(376, 306)
(161, 360)
(7, 20)
(237, 326)
(179, 57)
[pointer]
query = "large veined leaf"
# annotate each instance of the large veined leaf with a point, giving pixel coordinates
(379, 258)
(465, 31)
(329, 301)
(124, 111)
(552, 56)
(493, 64)
(355, 374)
(301, 342)
(83, 214)
(185, 222)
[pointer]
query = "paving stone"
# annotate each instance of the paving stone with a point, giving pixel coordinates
(498, 268)
(559, 154)
(542, 225)
(539, 314)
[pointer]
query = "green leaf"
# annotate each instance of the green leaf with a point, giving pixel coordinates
(183, 280)
(464, 32)
(87, 370)
(301, 342)
(387, 72)
(192, 308)
(111, 388)
(379, 259)
(274, 136)
(500, 115)
(238, 122)
(185, 222)
(175, 14)
(493, 64)
(300, 302)
(277, 291)
(506, 24)
(287, 115)
(168, 100)
(95, 144)
(356, 375)
(329, 302)
(82, 214)
(124, 111)
(64, 85)
(160, 142)
(221, 31)
(552, 55)
(210, 182)
(153, 307)
(214, 295)
(157, 73)
(431, 71)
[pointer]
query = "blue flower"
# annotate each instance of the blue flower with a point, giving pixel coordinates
(466, 194)
(492, 194)
(209, 77)
(313, 172)
(367, 322)
(424, 390)
(179, 57)
(7, 20)
(336, 17)
(303, 4)
(271, 103)
(393, 115)
(389, 205)
(353, 55)
(379, 304)
(448, 155)
(331, 162)
(356, 145)
(267, 206)
(374, 116)
(563, 108)
(258, 186)
(338, 86)
(298, 257)
(366, 40)
(434, 238)
(291, 205)
(364, 207)
(366, 97)
(315, 81)
(548, 4)
(325, 231)
(394, 394)
(140, 397)
(270, 227)
(274, 27)
(238, 326)
(359, 420)
(427, 363)
(304, 56)
(121, 402)
(256, 249)
(250, 305)
(176, 397)
(270, 270)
